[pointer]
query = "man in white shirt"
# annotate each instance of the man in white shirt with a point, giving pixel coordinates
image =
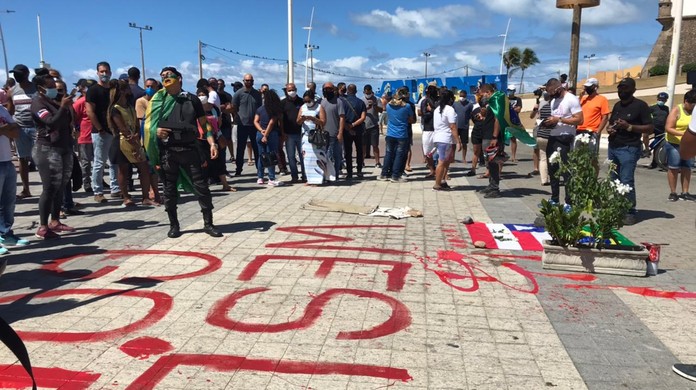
(566, 115)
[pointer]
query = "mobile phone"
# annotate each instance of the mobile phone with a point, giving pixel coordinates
(73, 93)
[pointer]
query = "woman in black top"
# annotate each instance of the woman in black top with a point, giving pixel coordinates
(52, 153)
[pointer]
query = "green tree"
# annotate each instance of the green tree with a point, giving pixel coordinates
(512, 59)
(529, 59)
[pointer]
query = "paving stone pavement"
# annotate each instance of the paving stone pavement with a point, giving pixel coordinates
(291, 298)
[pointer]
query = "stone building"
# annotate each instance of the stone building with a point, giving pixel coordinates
(662, 48)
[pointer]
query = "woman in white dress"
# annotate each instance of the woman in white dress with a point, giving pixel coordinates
(317, 164)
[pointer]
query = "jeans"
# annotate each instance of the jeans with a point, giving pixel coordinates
(86, 156)
(55, 169)
(395, 157)
(68, 202)
(335, 154)
(553, 145)
(102, 143)
(270, 148)
(245, 133)
(348, 141)
(626, 158)
(493, 166)
(8, 187)
(293, 147)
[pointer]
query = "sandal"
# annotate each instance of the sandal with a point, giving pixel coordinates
(229, 189)
(24, 195)
(482, 176)
(149, 202)
(128, 202)
(471, 173)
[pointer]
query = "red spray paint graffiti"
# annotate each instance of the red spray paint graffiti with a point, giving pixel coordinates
(325, 238)
(226, 363)
(143, 347)
(14, 377)
(399, 319)
(213, 263)
(396, 277)
(162, 304)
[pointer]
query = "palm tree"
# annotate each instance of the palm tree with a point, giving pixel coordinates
(529, 59)
(512, 59)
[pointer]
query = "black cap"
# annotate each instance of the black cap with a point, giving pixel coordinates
(20, 68)
(627, 82)
(123, 76)
(85, 83)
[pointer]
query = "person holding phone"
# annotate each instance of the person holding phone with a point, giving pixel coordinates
(312, 116)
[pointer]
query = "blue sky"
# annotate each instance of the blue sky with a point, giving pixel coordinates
(382, 40)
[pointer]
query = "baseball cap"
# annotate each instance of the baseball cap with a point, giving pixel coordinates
(123, 76)
(663, 96)
(20, 68)
(511, 87)
(85, 83)
(591, 81)
(627, 82)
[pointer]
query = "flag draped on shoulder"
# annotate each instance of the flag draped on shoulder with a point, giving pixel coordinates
(160, 106)
(509, 119)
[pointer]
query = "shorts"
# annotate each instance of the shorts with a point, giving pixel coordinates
(25, 141)
(674, 160)
(464, 135)
(428, 143)
(445, 151)
(476, 137)
(371, 137)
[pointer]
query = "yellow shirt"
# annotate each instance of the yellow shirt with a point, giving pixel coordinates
(682, 125)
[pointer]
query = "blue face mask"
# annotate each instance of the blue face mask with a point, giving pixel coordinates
(660, 103)
(149, 91)
(51, 93)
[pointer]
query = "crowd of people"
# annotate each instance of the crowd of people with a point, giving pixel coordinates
(184, 140)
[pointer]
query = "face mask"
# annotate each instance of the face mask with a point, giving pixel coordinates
(462, 99)
(557, 93)
(149, 91)
(624, 95)
(369, 95)
(104, 78)
(329, 93)
(546, 96)
(51, 93)
(309, 102)
(483, 102)
(292, 94)
(589, 90)
(204, 99)
(21, 77)
(59, 96)
(660, 103)
(511, 93)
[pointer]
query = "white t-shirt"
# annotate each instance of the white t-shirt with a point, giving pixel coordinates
(565, 107)
(214, 98)
(5, 150)
(692, 124)
(441, 124)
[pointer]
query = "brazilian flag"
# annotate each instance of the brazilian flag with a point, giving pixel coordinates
(509, 120)
(160, 106)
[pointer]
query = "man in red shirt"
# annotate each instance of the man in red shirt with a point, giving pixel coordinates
(84, 141)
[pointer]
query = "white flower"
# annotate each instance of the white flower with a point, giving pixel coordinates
(621, 188)
(555, 157)
(583, 138)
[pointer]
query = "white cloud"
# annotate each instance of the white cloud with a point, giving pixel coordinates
(350, 63)
(467, 58)
(85, 74)
(426, 22)
(608, 13)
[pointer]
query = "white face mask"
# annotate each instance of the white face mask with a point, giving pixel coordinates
(204, 99)
(368, 95)
(292, 94)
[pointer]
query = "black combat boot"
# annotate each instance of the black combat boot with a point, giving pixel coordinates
(208, 226)
(174, 230)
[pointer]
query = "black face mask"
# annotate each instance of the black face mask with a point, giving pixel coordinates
(59, 97)
(557, 93)
(21, 77)
(589, 90)
(625, 95)
(329, 93)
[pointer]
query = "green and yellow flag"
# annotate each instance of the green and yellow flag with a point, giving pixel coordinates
(509, 119)
(160, 106)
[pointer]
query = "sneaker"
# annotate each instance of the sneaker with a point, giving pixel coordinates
(399, 180)
(275, 183)
(378, 165)
(688, 196)
(551, 201)
(492, 194)
(11, 239)
(45, 233)
(441, 188)
(567, 208)
(73, 211)
(673, 197)
(445, 185)
(259, 182)
(89, 190)
(62, 228)
(116, 195)
(629, 219)
(99, 198)
(484, 190)
(382, 178)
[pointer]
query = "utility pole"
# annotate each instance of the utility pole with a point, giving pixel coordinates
(42, 64)
(200, 59)
(576, 6)
(310, 50)
(588, 58)
(4, 51)
(678, 12)
(142, 50)
(502, 53)
(309, 34)
(291, 62)
(426, 54)
(467, 71)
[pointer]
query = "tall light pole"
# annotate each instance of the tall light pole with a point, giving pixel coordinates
(291, 62)
(502, 53)
(588, 58)
(426, 54)
(619, 71)
(678, 12)
(142, 51)
(4, 51)
(310, 49)
(309, 34)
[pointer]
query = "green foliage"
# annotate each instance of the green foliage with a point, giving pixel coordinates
(690, 67)
(658, 70)
(512, 60)
(598, 202)
(529, 59)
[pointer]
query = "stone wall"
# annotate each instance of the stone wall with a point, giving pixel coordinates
(663, 46)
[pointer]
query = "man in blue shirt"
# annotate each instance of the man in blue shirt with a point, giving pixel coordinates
(463, 107)
(245, 102)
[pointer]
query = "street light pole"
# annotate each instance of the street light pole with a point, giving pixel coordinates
(502, 53)
(4, 51)
(588, 58)
(310, 50)
(619, 71)
(426, 54)
(142, 50)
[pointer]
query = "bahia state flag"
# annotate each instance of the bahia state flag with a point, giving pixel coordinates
(516, 237)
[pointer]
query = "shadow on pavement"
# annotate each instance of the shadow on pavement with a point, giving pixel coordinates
(645, 215)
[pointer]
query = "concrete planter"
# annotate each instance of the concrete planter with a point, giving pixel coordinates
(628, 262)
